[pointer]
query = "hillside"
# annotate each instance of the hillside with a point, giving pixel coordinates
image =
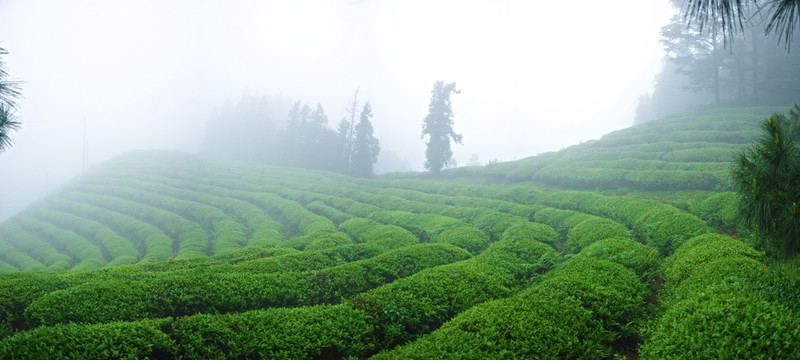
(689, 150)
(164, 254)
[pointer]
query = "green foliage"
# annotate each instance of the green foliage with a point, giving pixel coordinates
(767, 177)
(643, 260)
(720, 210)
(407, 308)
(699, 251)
(138, 340)
(588, 231)
(322, 332)
(465, 237)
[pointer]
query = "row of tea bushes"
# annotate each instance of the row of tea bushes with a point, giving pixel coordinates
(284, 333)
(212, 290)
(359, 327)
(416, 305)
(722, 302)
(581, 309)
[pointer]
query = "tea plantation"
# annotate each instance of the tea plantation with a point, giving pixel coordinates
(611, 249)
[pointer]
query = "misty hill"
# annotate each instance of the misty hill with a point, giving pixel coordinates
(165, 254)
(689, 150)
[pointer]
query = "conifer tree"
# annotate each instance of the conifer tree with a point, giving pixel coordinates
(366, 146)
(438, 125)
(767, 176)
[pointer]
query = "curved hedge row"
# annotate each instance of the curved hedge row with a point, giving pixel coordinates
(209, 290)
(723, 303)
(579, 310)
(407, 308)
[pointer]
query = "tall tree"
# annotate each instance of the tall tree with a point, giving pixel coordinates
(767, 177)
(9, 94)
(438, 125)
(366, 146)
(697, 55)
(346, 133)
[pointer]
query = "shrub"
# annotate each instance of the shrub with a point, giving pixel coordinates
(421, 303)
(525, 230)
(643, 260)
(465, 237)
(530, 326)
(318, 332)
(723, 325)
(137, 340)
(701, 250)
(588, 231)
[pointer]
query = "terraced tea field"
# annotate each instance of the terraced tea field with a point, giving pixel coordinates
(164, 255)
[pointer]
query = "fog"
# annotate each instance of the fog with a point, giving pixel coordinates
(115, 76)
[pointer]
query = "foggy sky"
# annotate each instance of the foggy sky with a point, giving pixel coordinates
(535, 76)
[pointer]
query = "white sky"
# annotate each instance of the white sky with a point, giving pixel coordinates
(535, 76)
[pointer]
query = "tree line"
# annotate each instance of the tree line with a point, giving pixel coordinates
(247, 131)
(710, 64)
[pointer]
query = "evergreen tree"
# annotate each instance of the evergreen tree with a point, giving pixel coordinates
(438, 125)
(767, 176)
(9, 94)
(366, 146)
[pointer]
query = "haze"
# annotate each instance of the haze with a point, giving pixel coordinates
(535, 76)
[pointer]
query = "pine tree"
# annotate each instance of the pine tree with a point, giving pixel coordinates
(9, 94)
(366, 146)
(438, 125)
(767, 177)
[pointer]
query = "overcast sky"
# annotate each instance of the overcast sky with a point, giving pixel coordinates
(535, 76)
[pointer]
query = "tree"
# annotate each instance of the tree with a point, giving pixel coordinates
(783, 16)
(366, 146)
(438, 125)
(9, 94)
(698, 56)
(767, 177)
(346, 133)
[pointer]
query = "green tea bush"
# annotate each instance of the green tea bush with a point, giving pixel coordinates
(643, 260)
(418, 304)
(588, 231)
(369, 231)
(667, 228)
(525, 230)
(577, 311)
(725, 325)
(701, 250)
(318, 332)
(136, 340)
(614, 293)
(720, 210)
(327, 240)
(465, 237)
(214, 289)
(310, 260)
(331, 285)
(529, 326)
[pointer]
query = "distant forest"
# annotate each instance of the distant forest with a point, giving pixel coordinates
(701, 69)
(270, 130)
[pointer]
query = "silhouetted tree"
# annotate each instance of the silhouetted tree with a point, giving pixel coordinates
(438, 125)
(346, 133)
(366, 146)
(767, 176)
(9, 95)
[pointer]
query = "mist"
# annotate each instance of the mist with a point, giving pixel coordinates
(114, 76)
